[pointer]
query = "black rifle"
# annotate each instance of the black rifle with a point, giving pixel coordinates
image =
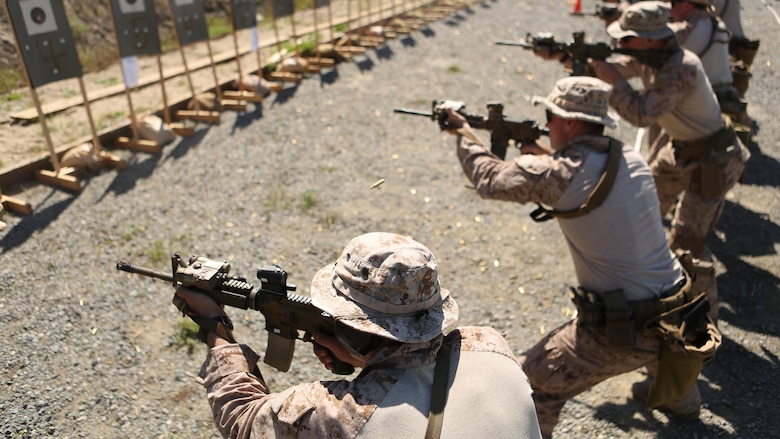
(502, 130)
(577, 49)
(285, 314)
(580, 52)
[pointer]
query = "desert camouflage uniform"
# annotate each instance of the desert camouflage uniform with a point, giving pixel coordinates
(708, 38)
(612, 247)
(489, 395)
(679, 99)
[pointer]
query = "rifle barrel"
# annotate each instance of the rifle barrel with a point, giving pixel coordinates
(513, 43)
(130, 268)
(412, 112)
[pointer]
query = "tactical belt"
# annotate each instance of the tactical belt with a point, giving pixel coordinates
(712, 145)
(610, 310)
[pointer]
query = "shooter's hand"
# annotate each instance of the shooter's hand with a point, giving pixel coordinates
(606, 71)
(329, 349)
(194, 303)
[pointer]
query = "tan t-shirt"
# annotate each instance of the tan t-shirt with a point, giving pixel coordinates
(708, 38)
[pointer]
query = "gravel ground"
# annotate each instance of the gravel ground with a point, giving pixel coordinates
(91, 352)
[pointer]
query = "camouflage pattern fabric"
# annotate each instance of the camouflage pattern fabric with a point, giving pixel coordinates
(386, 284)
(528, 178)
(686, 109)
(244, 407)
(572, 359)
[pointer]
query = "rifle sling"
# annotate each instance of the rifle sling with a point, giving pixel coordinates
(441, 379)
(596, 198)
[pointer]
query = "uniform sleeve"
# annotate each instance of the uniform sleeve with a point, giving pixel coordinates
(235, 395)
(528, 178)
(672, 85)
(243, 406)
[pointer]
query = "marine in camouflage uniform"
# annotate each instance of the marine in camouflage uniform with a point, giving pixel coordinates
(384, 286)
(618, 248)
(706, 35)
(700, 157)
(742, 49)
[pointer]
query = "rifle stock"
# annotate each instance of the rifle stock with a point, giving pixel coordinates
(285, 313)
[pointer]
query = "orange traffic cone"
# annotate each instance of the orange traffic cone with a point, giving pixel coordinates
(577, 8)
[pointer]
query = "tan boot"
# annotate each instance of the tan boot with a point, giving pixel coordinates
(641, 390)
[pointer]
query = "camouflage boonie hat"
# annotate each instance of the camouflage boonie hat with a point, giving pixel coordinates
(645, 19)
(580, 97)
(386, 284)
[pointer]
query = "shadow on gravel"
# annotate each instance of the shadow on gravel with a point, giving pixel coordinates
(748, 290)
(365, 64)
(185, 144)
(634, 416)
(330, 77)
(761, 169)
(454, 20)
(246, 118)
(139, 167)
(285, 95)
(384, 53)
(31, 224)
(408, 41)
(427, 31)
(743, 389)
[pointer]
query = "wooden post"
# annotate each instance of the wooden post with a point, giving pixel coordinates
(62, 177)
(274, 75)
(207, 116)
(241, 93)
(136, 143)
(350, 43)
(108, 159)
(230, 104)
(15, 204)
(315, 61)
(178, 128)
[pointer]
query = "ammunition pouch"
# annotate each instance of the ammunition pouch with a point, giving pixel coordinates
(735, 107)
(689, 340)
(741, 75)
(688, 337)
(730, 102)
(744, 50)
(708, 179)
(620, 319)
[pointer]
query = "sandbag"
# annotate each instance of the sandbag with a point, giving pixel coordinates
(153, 128)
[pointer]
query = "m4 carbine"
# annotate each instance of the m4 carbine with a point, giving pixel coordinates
(285, 314)
(579, 52)
(577, 49)
(502, 130)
